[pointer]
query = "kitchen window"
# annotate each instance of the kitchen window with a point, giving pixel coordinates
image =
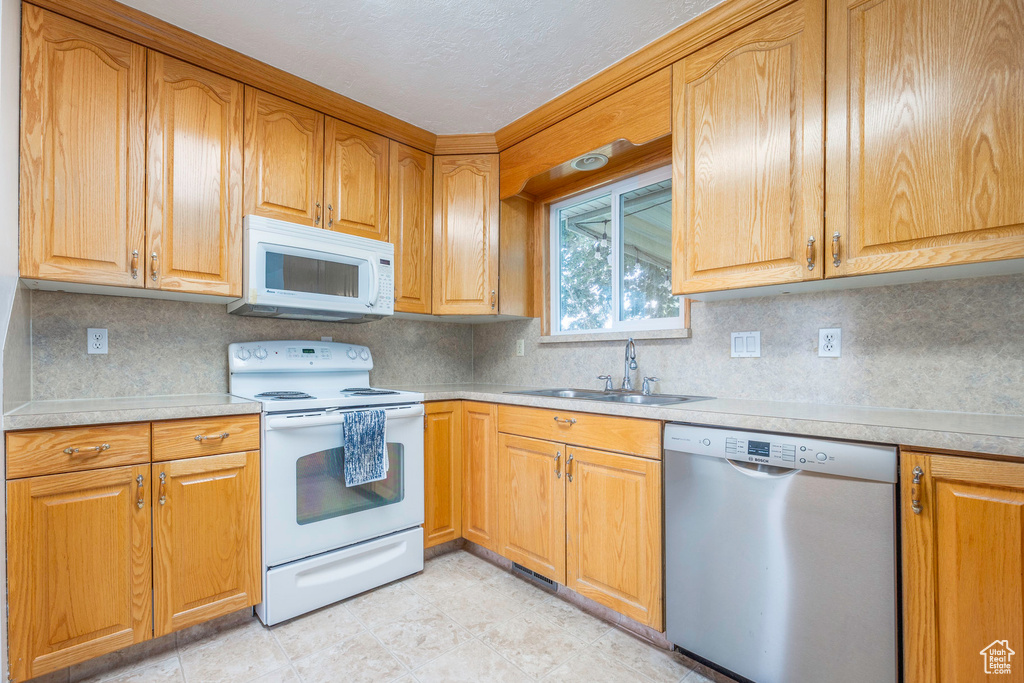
(612, 258)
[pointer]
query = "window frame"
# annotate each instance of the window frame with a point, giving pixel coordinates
(615, 190)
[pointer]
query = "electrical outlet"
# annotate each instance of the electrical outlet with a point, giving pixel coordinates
(746, 345)
(520, 347)
(830, 342)
(96, 340)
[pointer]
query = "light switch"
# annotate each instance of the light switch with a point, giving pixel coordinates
(746, 344)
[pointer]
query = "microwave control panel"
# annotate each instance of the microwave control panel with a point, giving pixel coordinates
(386, 296)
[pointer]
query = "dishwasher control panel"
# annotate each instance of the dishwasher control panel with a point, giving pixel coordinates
(839, 458)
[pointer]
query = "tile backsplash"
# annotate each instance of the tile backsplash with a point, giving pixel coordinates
(953, 345)
(171, 347)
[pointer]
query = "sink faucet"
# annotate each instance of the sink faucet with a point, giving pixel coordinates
(630, 364)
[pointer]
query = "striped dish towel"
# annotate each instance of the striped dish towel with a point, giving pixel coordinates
(366, 457)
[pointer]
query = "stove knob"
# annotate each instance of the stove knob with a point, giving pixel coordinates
(260, 353)
(352, 353)
(364, 354)
(242, 354)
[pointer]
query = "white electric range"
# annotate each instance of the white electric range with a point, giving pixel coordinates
(323, 541)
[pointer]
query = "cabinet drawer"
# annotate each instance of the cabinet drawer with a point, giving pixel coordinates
(621, 434)
(205, 436)
(52, 451)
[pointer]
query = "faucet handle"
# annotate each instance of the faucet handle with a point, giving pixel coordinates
(608, 386)
(646, 389)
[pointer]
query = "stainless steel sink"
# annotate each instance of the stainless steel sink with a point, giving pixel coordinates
(613, 396)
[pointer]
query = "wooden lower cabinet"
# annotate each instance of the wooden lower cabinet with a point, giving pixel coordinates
(79, 566)
(480, 474)
(442, 471)
(613, 532)
(963, 565)
(206, 538)
(533, 504)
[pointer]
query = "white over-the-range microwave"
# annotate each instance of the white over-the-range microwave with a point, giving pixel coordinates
(303, 273)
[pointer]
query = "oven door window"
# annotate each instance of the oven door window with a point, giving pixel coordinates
(321, 492)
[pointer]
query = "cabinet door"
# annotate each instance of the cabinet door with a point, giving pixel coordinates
(480, 474)
(963, 564)
(206, 538)
(194, 175)
(926, 140)
(532, 504)
(442, 447)
(412, 191)
(356, 181)
(466, 215)
(613, 532)
(284, 159)
(747, 155)
(83, 145)
(79, 572)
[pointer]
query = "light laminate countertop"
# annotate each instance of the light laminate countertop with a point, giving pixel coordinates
(925, 429)
(88, 411)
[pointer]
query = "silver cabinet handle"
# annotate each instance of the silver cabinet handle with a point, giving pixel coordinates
(835, 249)
(571, 421)
(156, 266)
(915, 503)
(163, 485)
(71, 450)
(810, 253)
(568, 468)
(494, 299)
(141, 502)
(210, 437)
(558, 471)
(316, 218)
(330, 215)
(135, 264)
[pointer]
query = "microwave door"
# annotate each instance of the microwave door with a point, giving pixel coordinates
(312, 279)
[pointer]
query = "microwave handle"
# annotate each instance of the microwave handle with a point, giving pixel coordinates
(335, 417)
(374, 282)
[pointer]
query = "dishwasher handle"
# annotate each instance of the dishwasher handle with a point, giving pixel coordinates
(754, 469)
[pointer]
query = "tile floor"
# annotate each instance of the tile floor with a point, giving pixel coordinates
(461, 619)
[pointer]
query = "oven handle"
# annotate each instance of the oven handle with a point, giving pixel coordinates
(336, 417)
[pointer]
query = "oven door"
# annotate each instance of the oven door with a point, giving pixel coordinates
(307, 509)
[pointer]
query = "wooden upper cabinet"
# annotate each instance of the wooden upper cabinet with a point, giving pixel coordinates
(194, 176)
(466, 218)
(410, 216)
(926, 144)
(480, 474)
(355, 181)
(963, 564)
(79, 566)
(284, 159)
(206, 538)
(613, 532)
(748, 157)
(442, 469)
(532, 504)
(83, 137)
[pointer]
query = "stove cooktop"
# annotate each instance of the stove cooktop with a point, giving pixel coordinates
(284, 395)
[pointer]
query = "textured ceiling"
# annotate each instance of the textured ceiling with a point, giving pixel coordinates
(450, 66)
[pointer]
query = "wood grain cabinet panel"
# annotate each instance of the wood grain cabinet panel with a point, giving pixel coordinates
(613, 532)
(356, 181)
(926, 139)
(194, 179)
(963, 564)
(623, 434)
(532, 511)
(442, 446)
(410, 214)
(176, 439)
(748, 155)
(466, 223)
(79, 567)
(206, 539)
(83, 137)
(55, 451)
(480, 474)
(284, 159)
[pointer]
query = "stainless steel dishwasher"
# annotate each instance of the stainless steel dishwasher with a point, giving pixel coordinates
(780, 555)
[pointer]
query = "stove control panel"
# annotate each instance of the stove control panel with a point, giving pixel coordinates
(297, 356)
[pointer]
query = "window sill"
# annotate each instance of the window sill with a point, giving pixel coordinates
(616, 336)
